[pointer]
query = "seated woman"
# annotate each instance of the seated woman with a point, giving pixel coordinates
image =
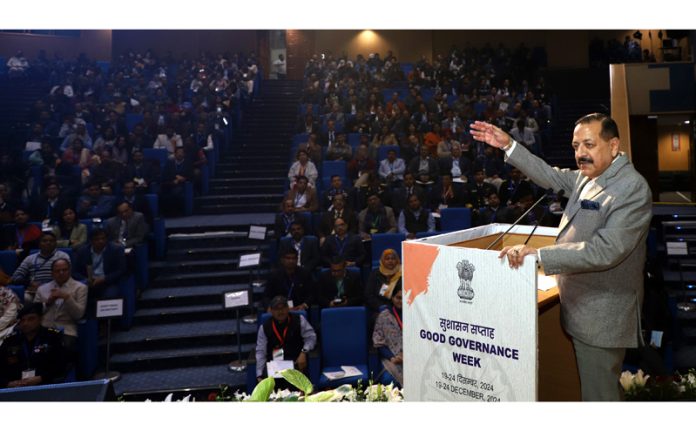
(383, 281)
(387, 337)
(303, 167)
(70, 232)
(9, 306)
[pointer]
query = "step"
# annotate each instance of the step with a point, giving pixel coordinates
(190, 380)
(248, 198)
(191, 292)
(172, 267)
(211, 252)
(179, 357)
(245, 188)
(181, 334)
(211, 277)
(188, 313)
(236, 208)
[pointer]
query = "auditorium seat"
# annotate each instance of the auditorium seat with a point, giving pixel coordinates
(383, 241)
(343, 342)
(453, 219)
(384, 149)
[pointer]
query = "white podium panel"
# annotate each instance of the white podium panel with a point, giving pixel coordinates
(470, 321)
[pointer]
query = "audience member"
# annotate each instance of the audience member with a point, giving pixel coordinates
(457, 164)
(303, 167)
(49, 207)
(283, 337)
(514, 187)
(307, 247)
(95, 203)
(383, 282)
(169, 140)
(35, 269)
(303, 197)
(33, 355)
(339, 150)
(142, 172)
(336, 188)
(392, 169)
(387, 337)
(493, 212)
(70, 232)
(415, 218)
(128, 228)
(175, 175)
(337, 210)
(424, 168)
(478, 189)
(285, 218)
(10, 304)
(400, 195)
(338, 287)
(376, 218)
(64, 300)
(101, 265)
(291, 281)
(446, 194)
(343, 244)
(360, 167)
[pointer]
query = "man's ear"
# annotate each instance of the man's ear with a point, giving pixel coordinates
(614, 144)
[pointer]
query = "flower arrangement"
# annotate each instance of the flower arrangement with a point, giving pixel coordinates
(640, 387)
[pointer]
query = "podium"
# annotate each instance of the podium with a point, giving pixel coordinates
(476, 329)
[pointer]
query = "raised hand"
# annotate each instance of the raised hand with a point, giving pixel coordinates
(490, 134)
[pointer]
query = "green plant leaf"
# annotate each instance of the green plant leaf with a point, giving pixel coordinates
(320, 397)
(262, 391)
(292, 397)
(298, 380)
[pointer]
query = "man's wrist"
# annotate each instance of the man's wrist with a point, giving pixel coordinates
(509, 145)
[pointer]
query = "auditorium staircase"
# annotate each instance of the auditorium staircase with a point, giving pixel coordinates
(182, 338)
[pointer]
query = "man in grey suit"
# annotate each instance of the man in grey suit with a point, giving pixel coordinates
(128, 228)
(600, 249)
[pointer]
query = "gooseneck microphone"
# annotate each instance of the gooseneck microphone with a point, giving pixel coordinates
(545, 195)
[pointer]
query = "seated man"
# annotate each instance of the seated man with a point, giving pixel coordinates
(176, 173)
(344, 244)
(400, 194)
(415, 219)
(64, 300)
(95, 204)
(375, 218)
(303, 167)
(128, 228)
(512, 189)
(102, 265)
(391, 170)
(137, 201)
(337, 188)
(338, 287)
(49, 206)
(292, 281)
(338, 210)
(446, 194)
(424, 168)
(361, 166)
(283, 337)
(286, 218)
(142, 172)
(457, 164)
(307, 248)
(340, 150)
(494, 212)
(479, 189)
(32, 356)
(35, 269)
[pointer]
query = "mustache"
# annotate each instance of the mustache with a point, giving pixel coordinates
(584, 160)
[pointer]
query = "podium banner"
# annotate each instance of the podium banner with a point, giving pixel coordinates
(470, 324)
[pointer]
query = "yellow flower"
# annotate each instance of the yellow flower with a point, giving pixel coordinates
(641, 379)
(626, 380)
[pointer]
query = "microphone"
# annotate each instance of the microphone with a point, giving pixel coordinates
(545, 195)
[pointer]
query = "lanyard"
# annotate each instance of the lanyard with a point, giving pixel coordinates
(398, 319)
(285, 332)
(341, 244)
(37, 267)
(291, 286)
(288, 221)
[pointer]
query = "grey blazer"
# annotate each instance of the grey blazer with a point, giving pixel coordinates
(137, 229)
(599, 253)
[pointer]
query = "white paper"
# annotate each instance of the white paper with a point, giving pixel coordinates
(110, 308)
(236, 299)
(257, 232)
(677, 249)
(334, 375)
(546, 282)
(350, 371)
(273, 368)
(247, 260)
(656, 338)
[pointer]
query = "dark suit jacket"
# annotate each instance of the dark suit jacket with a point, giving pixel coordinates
(150, 171)
(170, 172)
(136, 230)
(477, 194)
(352, 289)
(400, 198)
(309, 255)
(464, 165)
(326, 224)
(512, 192)
(299, 288)
(459, 199)
(282, 226)
(39, 210)
(433, 168)
(352, 249)
(114, 263)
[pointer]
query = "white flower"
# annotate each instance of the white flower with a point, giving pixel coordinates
(169, 398)
(187, 399)
(626, 380)
(691, 379)
(641, 379)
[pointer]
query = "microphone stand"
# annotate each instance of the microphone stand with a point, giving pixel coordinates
(516, 222)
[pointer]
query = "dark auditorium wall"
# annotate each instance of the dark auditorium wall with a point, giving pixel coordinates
(96, 44)
(184, 42)
(407, 45)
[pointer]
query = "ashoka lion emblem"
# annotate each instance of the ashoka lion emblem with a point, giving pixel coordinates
(466, 274)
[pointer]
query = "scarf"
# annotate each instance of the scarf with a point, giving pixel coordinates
(393, 275)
